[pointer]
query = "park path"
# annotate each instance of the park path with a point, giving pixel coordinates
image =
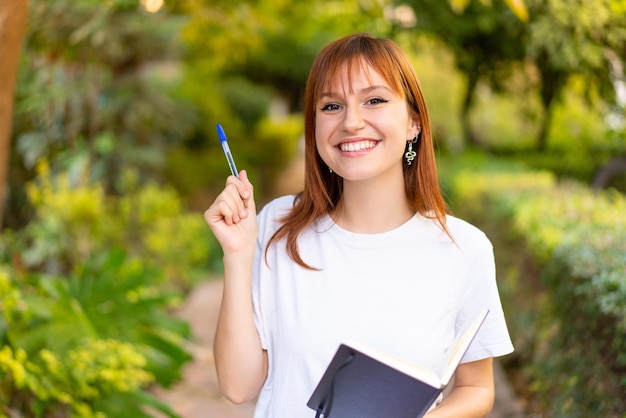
(197, 395)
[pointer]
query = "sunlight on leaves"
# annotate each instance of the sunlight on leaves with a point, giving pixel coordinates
(459, 5)
(519, 8)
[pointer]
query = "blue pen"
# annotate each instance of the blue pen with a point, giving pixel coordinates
(229, 156)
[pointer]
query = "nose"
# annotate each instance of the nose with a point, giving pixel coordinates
(353, 119)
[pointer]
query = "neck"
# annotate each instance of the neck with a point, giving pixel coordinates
(370, 207)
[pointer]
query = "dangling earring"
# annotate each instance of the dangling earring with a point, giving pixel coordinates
(410, 154)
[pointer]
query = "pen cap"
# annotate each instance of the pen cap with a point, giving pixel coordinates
(220, 133)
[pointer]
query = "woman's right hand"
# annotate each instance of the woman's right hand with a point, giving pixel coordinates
(232, 216)
(240, 361)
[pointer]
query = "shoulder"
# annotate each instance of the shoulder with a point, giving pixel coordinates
(271, 214)
(465, 234)
(280, 206)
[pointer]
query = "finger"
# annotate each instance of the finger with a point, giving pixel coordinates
(221, 211)
(233, 194)
(247, 192)
(244, 188)
(227, 207)
(233, 198)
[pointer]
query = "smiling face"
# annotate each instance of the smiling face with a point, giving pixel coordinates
(362, 126)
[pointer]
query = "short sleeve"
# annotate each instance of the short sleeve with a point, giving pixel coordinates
(493, 338)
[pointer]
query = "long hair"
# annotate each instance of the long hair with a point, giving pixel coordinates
(322, 189)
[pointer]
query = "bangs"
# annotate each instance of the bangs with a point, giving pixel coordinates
(354, 59)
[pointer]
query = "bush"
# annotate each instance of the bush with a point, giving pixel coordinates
(75, 219)
(561, 253)
(85, 294)
(72, 345)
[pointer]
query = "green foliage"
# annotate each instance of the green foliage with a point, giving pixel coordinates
(69, 294)
(76, 220)
(567, 306)
(580, 139)
(473, 177)
(72, 346)
(95, 92)
(248, 100)
(575, 36)
(595, 312)
(485, 39)
(51, 384)
(532, 63)
(245, 62)
(441, 83)
(564, 214)
(276, 141)
(507, 121)
(264, 153)
(517, 6)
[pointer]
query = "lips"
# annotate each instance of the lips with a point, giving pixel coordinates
(357, 145)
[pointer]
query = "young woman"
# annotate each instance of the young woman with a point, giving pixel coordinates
(366, 252)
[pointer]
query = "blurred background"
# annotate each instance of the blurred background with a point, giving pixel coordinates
(109, 155)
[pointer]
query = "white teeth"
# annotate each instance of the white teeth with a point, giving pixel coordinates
(356, 146)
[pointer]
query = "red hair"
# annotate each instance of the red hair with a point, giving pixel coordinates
(322, 190)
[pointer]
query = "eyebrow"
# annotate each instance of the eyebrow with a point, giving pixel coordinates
(365, 90)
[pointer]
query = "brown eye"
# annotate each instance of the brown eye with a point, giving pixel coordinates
(330, 107)
(376, 100)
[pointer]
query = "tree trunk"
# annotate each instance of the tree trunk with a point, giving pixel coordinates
(468, 101)
(553, 82)
(544, 128)
(13, 18)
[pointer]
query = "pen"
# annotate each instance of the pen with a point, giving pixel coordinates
(229, 156)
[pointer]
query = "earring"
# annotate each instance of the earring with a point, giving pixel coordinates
(330, 170)
(410, 154)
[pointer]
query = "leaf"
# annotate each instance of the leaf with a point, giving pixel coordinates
(149, 400)
(134, 405)
(519, 8)
(459, 6)
(54, 332)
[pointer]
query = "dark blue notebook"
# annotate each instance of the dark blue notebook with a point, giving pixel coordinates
(360, 382)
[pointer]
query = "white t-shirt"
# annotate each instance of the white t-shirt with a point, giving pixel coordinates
(406, 292)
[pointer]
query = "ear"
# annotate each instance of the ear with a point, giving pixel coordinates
(415, 128)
